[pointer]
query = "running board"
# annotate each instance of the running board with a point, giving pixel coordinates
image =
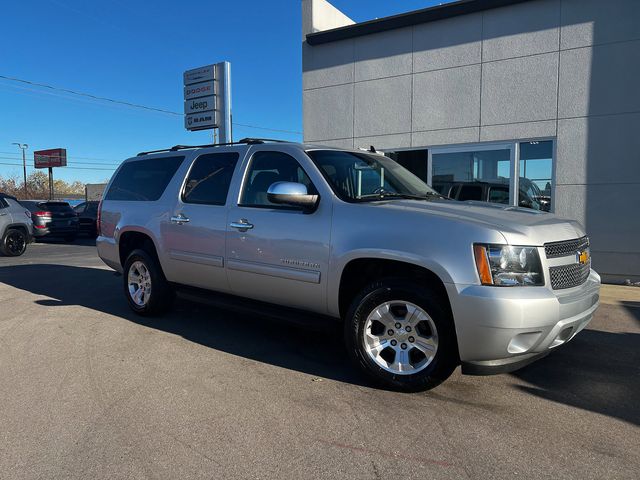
(295, 316)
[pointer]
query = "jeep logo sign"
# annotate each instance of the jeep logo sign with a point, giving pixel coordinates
(197, 105)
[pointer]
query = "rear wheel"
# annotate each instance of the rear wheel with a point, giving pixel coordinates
(145, 285)
(401, 336)
(14, 243)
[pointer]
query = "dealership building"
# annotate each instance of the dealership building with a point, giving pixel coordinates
(537, 100)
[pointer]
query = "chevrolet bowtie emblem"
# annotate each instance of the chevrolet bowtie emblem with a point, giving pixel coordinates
(582, 257)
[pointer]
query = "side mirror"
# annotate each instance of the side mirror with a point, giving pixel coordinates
(293, 194)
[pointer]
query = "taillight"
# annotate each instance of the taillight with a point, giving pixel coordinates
(98, 218)
(41, 214)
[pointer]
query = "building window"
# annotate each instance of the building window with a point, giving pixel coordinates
(451, 168)
(536, 168)
(413, 160)
(496, 171)
(492, 166)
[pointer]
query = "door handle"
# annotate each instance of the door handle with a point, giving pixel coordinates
(2, 214)
(180, 219)
(243, 225)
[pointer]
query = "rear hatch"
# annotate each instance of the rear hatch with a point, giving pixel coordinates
(55, 215)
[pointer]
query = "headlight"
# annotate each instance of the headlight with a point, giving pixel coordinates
(508, 266)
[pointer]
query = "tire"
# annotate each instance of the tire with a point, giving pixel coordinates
(157, 295)
(425, 344)
(14, 243)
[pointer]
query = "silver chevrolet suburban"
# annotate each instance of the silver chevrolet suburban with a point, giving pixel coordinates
(421, 283)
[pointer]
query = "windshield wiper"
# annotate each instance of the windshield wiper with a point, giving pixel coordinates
(437, 195)
(383, 194)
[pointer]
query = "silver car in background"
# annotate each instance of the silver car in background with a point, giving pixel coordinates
(421, 283)
(16, 227)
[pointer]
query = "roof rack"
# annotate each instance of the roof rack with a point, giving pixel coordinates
(244, 141)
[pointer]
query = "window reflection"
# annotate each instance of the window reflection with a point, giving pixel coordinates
(472, 175)
(536, 168)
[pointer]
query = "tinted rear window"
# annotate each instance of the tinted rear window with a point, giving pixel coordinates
(143, 180)
(209, 179)
(33, 206)
(54, 207)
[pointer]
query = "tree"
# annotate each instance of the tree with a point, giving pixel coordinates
(38, 186)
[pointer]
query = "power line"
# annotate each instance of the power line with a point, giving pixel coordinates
(71, 168)
(114, 163)
(265, 128)
(89, 95)
(130, 104)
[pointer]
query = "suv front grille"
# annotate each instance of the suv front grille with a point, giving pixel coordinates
(568, 276)
(566, 248)
(572, 274)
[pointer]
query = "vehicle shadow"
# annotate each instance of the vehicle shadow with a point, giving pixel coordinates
(316, 352)
(81, 240)
(596, 371)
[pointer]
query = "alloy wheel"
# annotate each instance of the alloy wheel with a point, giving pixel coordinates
(400, 337)
(15, 243)
(139, 283)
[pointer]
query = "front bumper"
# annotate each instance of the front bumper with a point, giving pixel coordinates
(501, 329)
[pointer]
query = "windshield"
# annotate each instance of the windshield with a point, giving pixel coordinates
(356, 176)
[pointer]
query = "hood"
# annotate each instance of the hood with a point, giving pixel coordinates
(520, 226)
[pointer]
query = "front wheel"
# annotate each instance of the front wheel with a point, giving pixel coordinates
(401, 336)
(145, 285)
(14, 243)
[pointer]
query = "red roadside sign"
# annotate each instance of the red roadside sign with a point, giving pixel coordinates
(54, 157)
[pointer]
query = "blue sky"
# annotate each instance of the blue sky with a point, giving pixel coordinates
(136, 51)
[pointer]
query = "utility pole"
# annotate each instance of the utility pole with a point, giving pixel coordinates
(23, 147)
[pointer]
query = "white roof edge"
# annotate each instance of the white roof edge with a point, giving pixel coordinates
(320, 15)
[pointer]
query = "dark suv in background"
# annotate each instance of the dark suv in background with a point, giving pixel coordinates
(87, 214)
(53, 219)
(495, 192)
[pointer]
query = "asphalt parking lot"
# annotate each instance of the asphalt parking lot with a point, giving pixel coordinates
(91, 391)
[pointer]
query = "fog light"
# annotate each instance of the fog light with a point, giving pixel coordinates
(523, 342)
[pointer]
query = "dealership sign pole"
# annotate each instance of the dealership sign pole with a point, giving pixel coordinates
(207, 99)
(55, 157)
